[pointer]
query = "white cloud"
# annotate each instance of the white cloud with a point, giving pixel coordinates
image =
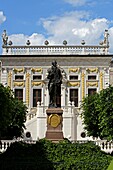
(90, 31)
(18, 39)
(111, 39)
(72, 26)
(21, 39)
(2, 17)
(76, 2)
(60, 28)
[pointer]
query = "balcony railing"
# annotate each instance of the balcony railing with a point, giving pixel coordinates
(55, 50)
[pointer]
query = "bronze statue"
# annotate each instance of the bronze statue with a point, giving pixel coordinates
(54, 85)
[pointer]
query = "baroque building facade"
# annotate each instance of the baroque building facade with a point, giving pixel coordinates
(85, 70)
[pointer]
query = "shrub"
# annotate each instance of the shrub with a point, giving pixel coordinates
(45, 155)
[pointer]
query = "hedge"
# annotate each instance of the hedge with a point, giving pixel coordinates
(45, 155)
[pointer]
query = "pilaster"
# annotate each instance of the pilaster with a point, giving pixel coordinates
(83, 84)
(9, 79)
(101, 80)
(27, 88)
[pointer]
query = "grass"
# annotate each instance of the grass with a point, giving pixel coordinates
(110, 166)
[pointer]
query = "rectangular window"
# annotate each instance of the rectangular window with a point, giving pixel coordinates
(19, 77)
(92, 91)
(73, 77)
(19, 94)
(37, 77)
(36, 96)
(74, 96)
(92, 77)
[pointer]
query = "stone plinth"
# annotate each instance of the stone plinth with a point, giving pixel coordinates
(54, 124)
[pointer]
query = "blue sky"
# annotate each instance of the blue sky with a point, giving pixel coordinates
(56, 20)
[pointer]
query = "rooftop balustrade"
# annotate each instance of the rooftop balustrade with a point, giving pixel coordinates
(47, 49)
(55, 50)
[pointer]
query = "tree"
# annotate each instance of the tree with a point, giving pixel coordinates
(12, 114)
(97, 114)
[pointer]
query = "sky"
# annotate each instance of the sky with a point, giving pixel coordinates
(56, 20)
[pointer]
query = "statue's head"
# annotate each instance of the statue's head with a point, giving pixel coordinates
(54, 63)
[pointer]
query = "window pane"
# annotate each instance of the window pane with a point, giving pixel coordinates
(92, 77)
(73, 77)
(19, 77)
(74, 96)
(36, 96)
(37, 77)
(92, 91)
(19, 94)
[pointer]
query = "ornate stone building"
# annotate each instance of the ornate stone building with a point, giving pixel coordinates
(85, 70)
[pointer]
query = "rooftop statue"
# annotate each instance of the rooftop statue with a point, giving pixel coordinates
(106, 34)
(54, 85)
(4, 38)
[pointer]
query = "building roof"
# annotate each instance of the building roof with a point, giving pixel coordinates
(64, 60)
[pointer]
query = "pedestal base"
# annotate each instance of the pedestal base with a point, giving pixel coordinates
(54, 124)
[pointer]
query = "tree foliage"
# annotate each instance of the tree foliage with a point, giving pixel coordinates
(54, 156)
(12, 114)
(97, 114)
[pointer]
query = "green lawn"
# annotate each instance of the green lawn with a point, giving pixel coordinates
(110, 166)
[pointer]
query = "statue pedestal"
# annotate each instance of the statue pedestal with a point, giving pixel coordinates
(54, 124)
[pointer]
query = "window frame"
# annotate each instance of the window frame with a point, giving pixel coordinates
(95, 89)
(18, 97)
(36, 75)
(38, 98)
(77, 98)
(73, 79)
(91, 79)
(17, 75)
